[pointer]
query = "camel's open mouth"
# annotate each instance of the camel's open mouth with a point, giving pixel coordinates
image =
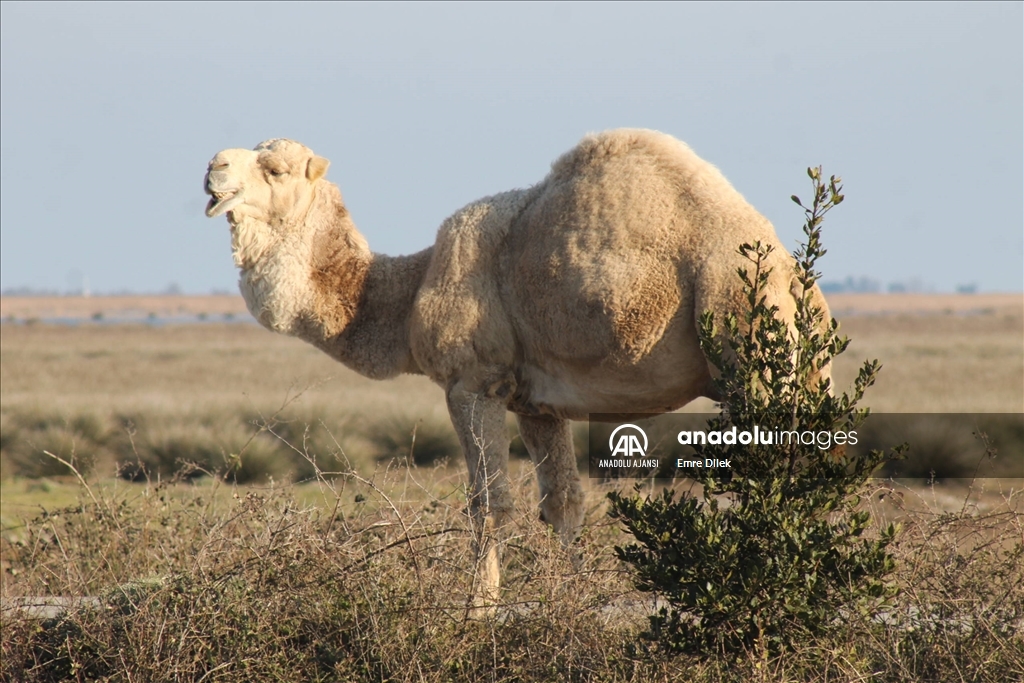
(222, 202)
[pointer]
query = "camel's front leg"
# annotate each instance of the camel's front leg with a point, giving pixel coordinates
(479, 421)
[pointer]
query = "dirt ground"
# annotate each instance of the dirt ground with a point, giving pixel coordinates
(940, 353)
(75, 307)
(119, 307)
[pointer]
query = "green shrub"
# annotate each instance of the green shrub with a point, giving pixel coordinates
(775, 550)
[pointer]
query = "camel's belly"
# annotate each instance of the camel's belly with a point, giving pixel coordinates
(563, 392)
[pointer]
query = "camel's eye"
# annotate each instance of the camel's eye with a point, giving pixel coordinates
(277, 173)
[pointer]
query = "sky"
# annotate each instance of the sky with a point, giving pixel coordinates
(109, 114)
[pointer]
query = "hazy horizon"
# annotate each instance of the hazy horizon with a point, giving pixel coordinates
(109, 114)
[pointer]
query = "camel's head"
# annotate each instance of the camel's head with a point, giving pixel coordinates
(272, 184)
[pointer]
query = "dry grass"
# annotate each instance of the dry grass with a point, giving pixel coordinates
(85, 307)
(938, 357)
(938, 361)
(371, 579)
(190, 392)
(364, 571)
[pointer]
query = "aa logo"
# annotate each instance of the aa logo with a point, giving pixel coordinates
(628, 445)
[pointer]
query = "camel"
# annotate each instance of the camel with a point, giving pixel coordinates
(578, 295)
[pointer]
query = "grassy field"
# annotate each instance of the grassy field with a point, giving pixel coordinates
(365, 575)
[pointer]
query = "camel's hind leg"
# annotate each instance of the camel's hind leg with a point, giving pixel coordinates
(549, 441)
(479, 422)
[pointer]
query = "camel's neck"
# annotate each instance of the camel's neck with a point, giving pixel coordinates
(322, 284)
(375, 340)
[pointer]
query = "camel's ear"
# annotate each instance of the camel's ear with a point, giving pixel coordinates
(317, 168)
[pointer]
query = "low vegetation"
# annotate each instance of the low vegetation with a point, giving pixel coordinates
(328, 540)
(370, 579)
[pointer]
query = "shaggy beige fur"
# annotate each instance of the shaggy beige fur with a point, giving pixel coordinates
(578, 295)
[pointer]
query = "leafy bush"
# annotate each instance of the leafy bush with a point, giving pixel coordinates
(776, 548)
